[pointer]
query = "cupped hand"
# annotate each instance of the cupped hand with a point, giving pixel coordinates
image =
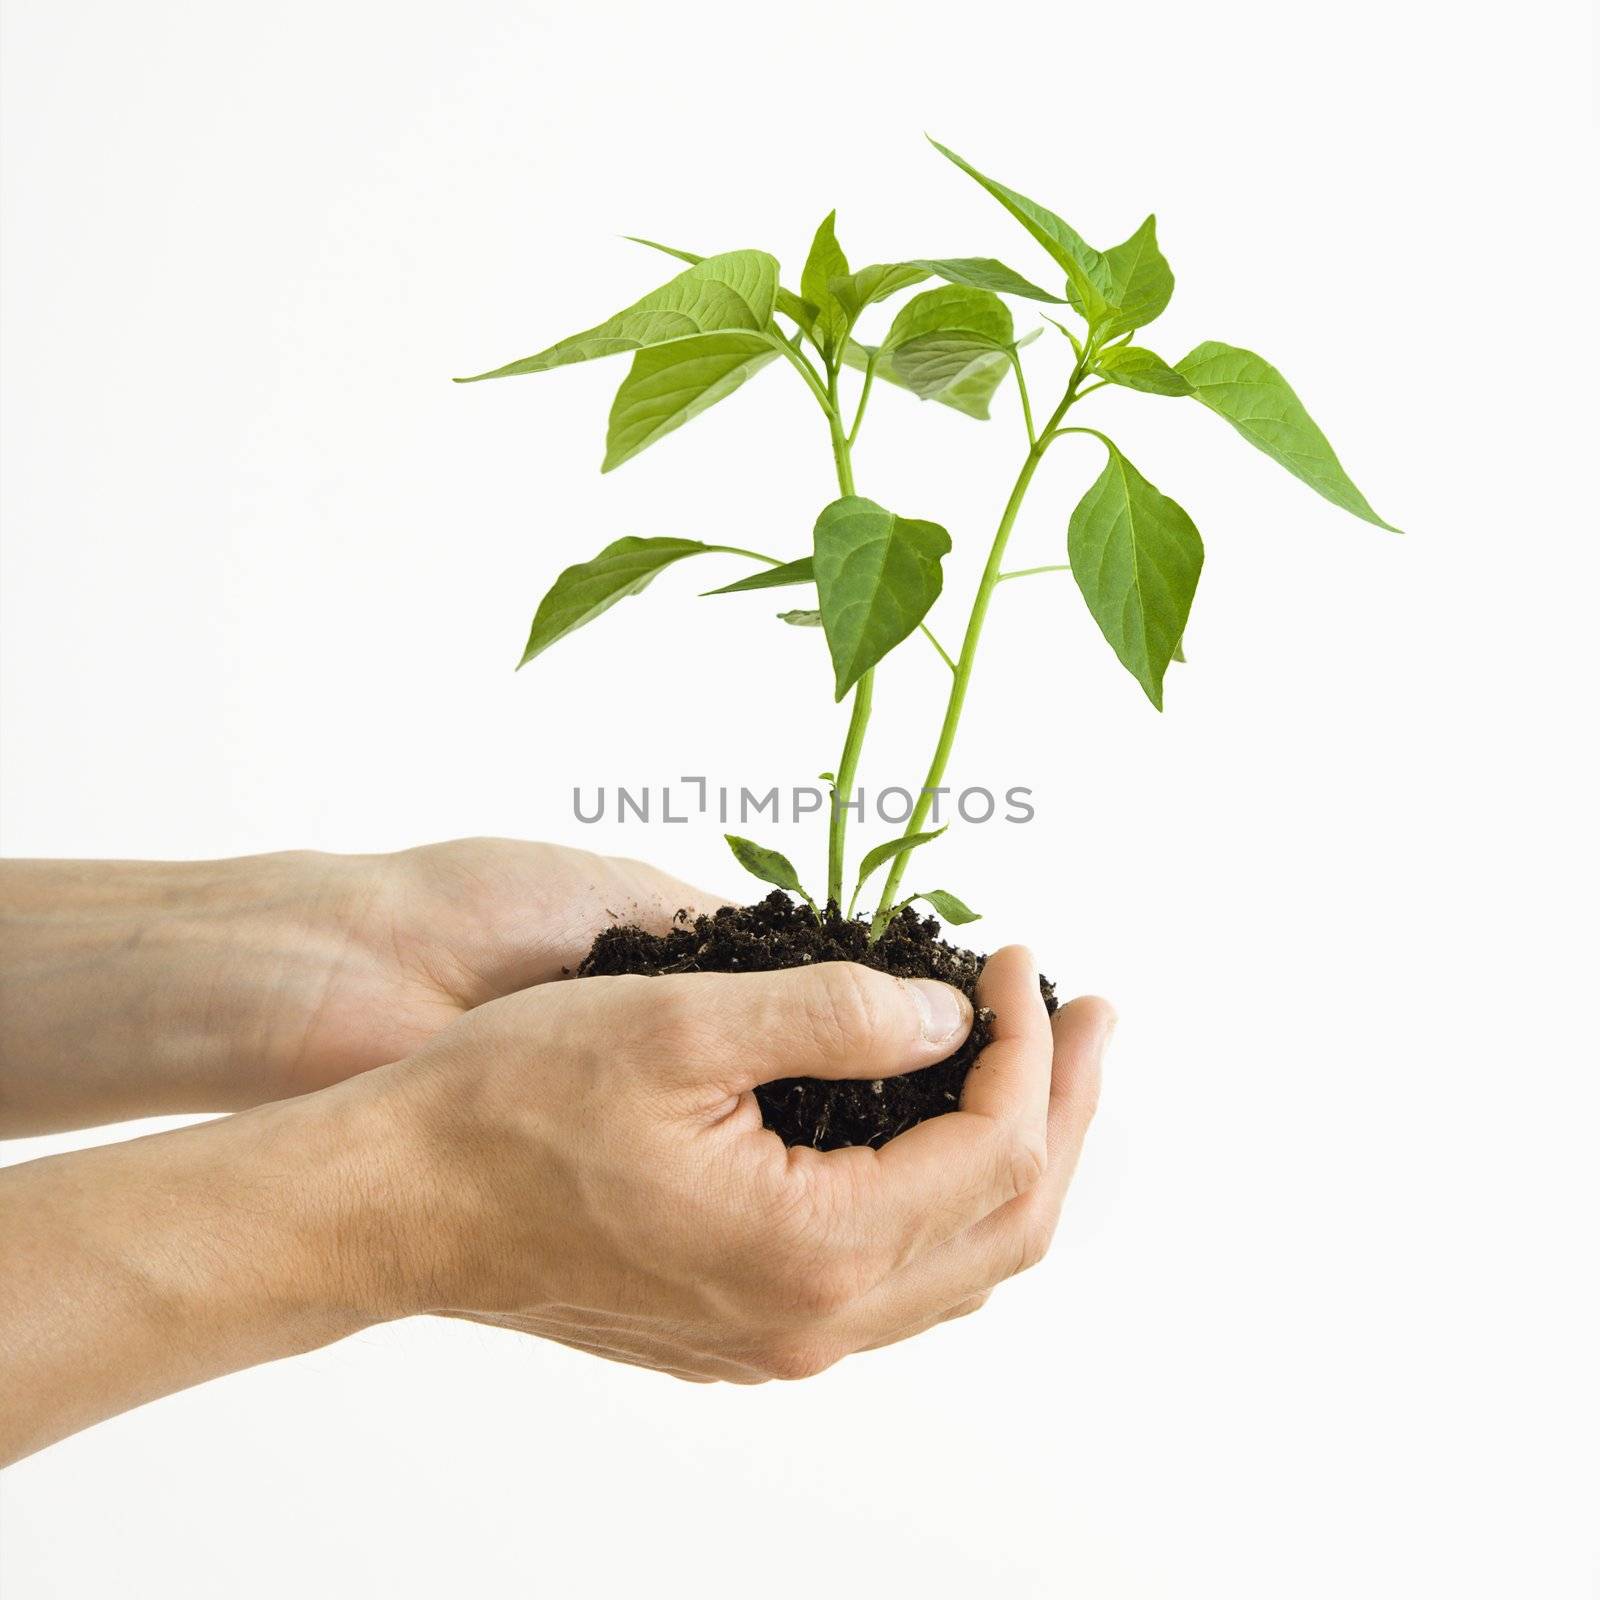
(586, 1162)
(399, 946)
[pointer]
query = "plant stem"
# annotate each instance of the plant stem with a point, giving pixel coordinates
(1029, 572)
(861, 707)
(969, 644)
(861, 404)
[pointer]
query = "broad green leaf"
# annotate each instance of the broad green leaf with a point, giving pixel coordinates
(1087, 274)
(1254, 397)
(824, 264)
(1137, 368)
(732, 292)
(582, 592)
(939, 337)
(1141, 281)
(952, 308)
(767, 865)
(879, 854)
(786, 301)
(670, 383)
(1136, 556)
(949, 907)
(771, 578)
(983, 272)
(970, 394)
(872, 284)
(877, 575)
(801, 619)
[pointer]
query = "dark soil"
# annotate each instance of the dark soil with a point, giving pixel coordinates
(779, 932)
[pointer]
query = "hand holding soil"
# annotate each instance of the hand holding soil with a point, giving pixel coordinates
(585, 1161)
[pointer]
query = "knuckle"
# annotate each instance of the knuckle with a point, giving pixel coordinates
(790, 1360)
(1033, 1244)
(965, 1308)
(845, 1007)
(1027, 1158)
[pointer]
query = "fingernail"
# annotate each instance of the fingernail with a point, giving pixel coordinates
(946, 1012)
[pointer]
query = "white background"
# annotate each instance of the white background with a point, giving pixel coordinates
(1313, 1326)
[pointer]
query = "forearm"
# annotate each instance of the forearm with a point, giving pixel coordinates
(137, 988)
(137, 1269)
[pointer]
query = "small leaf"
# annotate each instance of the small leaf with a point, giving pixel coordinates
(801, 619)
(1178, 655)
(1141, 281)
(970, 393)
(771, 578)
(1254, 397)
(942, 336)
(879, 854)
(732, 292)
(669, 384)
(877, 575)
(1137, 368)
(767, 865)
(786, 301)
(953, 911)
(824, 264)
(1088, 277)
(872, 284)
(983, 272)
(582, 592)
(1136, 556)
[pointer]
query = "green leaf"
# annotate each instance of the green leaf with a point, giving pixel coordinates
(1178, 655)
(767, 865)
(801, 619)
(953, 308)
(1254, 397)
(1136, 556)
(1088, 277)
(941, 337)
(786, 300)
(1141, 281)
(825, 263)
(732, 292)
(949, 907)
(582, 592)
(771, 578)
(983, 272)
(1137, 368)
(872, 284)
(969, 394)
(670, 383)
(877, 575)
(882, 853)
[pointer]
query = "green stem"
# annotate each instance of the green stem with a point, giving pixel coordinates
(1029, 572)
(861, 708)
(861, 404)
(1022, 392)
(969, 644)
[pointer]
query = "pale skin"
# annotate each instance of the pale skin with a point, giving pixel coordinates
(425, 1123)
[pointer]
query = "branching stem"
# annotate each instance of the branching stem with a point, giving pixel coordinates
(980, 609)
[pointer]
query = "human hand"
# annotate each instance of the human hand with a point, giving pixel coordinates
(587, 1163)
(138, 988)
(410, 941)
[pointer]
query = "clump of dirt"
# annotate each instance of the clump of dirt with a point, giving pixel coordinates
(779, 932)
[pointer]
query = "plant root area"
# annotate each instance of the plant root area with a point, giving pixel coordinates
(779, 932)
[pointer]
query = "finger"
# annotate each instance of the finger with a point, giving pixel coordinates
(837, 1019)
(1015, 1236)
(933, 1182)
(1011, 1079)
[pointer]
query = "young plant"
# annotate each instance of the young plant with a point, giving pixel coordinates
(1134, 553)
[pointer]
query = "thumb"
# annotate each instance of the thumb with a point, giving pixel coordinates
(837, 1019)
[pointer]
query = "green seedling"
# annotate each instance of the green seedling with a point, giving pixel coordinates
(1134, 553)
